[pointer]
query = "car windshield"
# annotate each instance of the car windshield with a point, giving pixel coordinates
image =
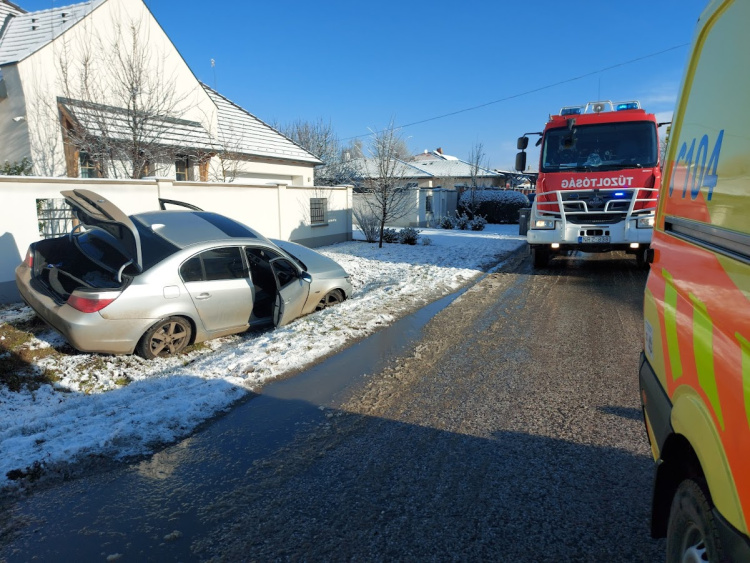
(606, 146)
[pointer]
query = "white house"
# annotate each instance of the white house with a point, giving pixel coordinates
(80, 83)
(95, 95)
(434, 180)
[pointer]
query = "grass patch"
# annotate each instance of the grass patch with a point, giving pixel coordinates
(17, 369)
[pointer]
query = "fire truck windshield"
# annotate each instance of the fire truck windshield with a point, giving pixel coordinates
(604, 146)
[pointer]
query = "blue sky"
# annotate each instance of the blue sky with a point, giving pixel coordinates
(361, 64)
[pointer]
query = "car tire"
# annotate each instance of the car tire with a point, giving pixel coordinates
(539, 256)
(692, 534)
(166, 338)
(333, 297)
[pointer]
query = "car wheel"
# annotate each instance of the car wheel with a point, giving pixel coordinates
(540, 257)
(333, 297)
(691, 533)
(166, 338)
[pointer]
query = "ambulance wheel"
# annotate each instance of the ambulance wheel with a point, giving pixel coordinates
(692, 534)
(539, 256)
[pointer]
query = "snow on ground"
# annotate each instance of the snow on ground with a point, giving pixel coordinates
(118, 406)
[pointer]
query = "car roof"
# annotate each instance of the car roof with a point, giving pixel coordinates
(185, 228)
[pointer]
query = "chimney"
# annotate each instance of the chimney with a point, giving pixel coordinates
(439, 150)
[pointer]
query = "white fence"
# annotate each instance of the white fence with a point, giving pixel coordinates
(29, 207)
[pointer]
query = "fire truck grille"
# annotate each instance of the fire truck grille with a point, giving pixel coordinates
(593, 219)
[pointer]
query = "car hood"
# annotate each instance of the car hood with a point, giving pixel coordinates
(93, 210)
(315, 263)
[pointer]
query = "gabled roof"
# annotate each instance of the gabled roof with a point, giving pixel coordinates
(27, 32)
(243, 133)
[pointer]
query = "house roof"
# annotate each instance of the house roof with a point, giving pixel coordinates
(27, 32)
(368, 168)
(241, 132)
(113, 123)
(437, 168)
(454, 168)
(7, 8)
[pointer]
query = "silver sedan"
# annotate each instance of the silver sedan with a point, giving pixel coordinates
(156, 282)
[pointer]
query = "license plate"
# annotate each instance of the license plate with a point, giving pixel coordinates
(593, 239)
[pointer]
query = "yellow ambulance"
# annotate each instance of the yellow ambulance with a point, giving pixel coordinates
(695, 365)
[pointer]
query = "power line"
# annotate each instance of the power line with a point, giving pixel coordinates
(527, 92)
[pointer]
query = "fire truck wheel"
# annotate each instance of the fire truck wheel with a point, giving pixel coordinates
(540, 256)
(640, 259)
(691, 533)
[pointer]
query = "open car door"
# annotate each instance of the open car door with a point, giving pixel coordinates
(292, 291)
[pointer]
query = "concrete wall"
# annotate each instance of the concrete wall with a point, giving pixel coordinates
(276, 211)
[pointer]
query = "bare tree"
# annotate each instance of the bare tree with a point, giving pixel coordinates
(121, 104)
(44, 132)
(320, 139)
(385, 194)
(477, 166)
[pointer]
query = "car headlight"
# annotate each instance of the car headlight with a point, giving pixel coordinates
(544, 224)
(645, 222)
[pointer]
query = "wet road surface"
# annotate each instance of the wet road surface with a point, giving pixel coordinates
(508, 429)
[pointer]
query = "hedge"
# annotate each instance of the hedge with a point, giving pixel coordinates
(497, 206)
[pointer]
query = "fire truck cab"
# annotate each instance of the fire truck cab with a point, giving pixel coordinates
(598, 178)
(695, 366)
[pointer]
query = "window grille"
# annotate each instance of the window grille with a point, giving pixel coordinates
(318, 210)
(55, 217)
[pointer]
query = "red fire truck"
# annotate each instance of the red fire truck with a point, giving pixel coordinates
(598, 180)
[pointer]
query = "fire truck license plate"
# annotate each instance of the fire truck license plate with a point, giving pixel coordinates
(593, 239)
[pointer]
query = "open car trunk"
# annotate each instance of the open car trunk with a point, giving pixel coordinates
(62, 267)
(102, 252)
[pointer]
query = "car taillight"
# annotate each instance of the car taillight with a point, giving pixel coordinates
(91, 302)
(29, 260)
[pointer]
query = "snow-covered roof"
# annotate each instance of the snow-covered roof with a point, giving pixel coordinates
(6, 9)
(368, 168)
(241, 132)
(454, 168)
(436, 168)
(28, 32)
(112, 123)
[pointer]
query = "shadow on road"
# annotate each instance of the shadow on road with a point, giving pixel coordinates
(326, 484)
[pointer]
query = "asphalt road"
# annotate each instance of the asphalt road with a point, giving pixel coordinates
(509, 431)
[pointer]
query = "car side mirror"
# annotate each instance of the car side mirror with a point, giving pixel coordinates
(522, 143)
(305, 276)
